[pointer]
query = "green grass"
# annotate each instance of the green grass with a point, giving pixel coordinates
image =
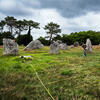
(68, 75)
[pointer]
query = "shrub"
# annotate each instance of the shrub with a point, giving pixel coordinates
(43, 41)
(24, 39)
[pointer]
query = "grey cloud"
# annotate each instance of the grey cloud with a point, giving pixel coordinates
(20, 8)
(16, 12)
(72, 8)
(67, 8)
(31, 3)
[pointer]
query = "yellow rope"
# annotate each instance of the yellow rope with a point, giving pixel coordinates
(43, 84)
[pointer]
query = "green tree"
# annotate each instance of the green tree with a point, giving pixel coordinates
(29, 25)
(66, 39)
(82, 37)
(2, 24)
(20, 26)
(25, 25)
(58, 37)
(52, 29)
(10, 22)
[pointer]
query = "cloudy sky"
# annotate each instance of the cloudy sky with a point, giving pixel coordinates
(71, 15)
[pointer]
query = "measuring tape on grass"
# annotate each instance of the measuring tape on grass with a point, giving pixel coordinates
(43, 84)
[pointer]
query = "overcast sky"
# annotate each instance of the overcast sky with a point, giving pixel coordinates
(71, 15)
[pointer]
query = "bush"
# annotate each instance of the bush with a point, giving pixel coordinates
(82, 37)
(24, 39)
(43, 41)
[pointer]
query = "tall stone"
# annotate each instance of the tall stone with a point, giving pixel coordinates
(89, 45)
(55, 48)
(34, 45)
(10, 47)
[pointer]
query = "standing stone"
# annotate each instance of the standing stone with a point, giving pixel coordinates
(55, 48)
(63, 46)
(59, 41)
(76, 44)
(34, 45)
(10, 47)
(72, 46)
(89, 45)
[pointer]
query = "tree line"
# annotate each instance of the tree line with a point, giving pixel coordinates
(12, 28)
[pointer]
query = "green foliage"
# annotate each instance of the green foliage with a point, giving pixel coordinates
(67, 39)
(82, 37)
(17, 66)
(52, 29)
(20, 26)
(30, 25)
(10, 22)
(2, 24)
(58, 37)
(43, 41)
(24, 39)
(16, 27)
(66, 72)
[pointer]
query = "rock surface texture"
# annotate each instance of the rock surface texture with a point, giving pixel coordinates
(34, 45)
(10, 47)
(72, 46)
(55, 48)
(89, 45)
(63, 46)
(76, 44)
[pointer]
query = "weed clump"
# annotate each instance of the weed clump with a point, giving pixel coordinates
(67, 72)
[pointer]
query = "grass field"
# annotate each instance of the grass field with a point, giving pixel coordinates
(67, 76)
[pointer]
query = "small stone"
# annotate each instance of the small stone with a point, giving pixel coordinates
(76, 44)
(72, 46)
